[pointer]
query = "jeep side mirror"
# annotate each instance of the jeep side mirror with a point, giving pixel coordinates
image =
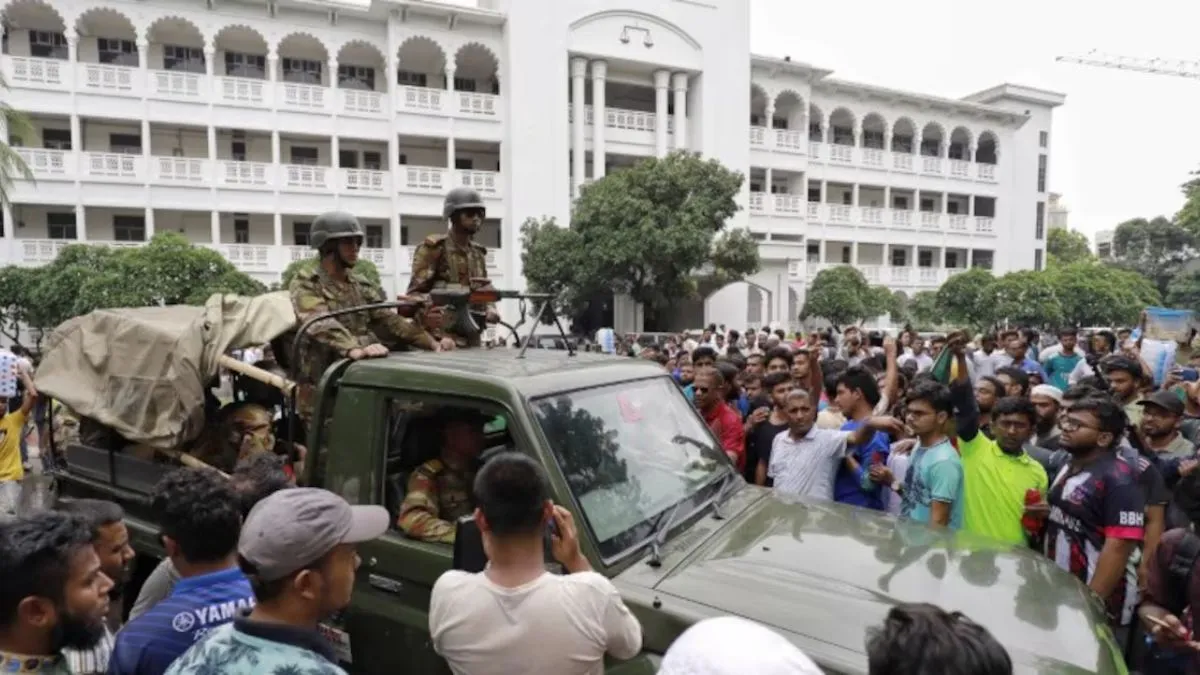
(469, 555)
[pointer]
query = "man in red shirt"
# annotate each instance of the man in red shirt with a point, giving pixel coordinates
(725, 422)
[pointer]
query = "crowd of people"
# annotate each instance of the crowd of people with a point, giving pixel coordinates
(1071, 449)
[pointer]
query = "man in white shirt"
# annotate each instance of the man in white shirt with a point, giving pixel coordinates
(515, 617)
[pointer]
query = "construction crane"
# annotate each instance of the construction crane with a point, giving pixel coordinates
(1175, 67)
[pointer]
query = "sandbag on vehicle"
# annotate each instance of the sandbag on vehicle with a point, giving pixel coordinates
(143, 371)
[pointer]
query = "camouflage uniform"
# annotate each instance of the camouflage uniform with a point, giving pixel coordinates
(437, 496)
(330, 339)
(65, 427)
(439, 262)
(247, 431)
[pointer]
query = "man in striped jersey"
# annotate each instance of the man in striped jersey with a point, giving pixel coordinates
(110, 539)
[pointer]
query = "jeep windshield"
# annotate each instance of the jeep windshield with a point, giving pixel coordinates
(630, 453)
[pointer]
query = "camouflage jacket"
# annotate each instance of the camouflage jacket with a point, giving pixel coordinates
(330, 339)
(439, 262)
(436, 497)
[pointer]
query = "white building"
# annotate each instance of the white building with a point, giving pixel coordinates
(1057, 212)
(236, 123)
(1104, 243)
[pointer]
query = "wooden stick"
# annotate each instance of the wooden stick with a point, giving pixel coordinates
(266, 377)
(189, 461)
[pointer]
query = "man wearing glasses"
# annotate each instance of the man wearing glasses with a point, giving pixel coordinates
(1097, 509)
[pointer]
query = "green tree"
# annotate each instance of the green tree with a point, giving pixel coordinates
(1156, 248)
(363, 267)
(168, 270)
(923, 309)
(1025, 298)
(11, 164)
(1065, 247)
(1100, 295)
(52, 300)
(1188, 217)
(1184, 291)
(16, 292)
(840, 295)
(966, 299)
(652, 231)
(901, 308)
(880, 300)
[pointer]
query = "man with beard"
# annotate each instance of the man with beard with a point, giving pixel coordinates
(1097, 510)
(764, 424)
(988, 390)
(53, 594)
(200, 518)
(298, 549)
(1047, 400)
(110, 538)
(334, 285)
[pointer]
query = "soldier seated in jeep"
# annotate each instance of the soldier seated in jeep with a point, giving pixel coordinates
(439, 490)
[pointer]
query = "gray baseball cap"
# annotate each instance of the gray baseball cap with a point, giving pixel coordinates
(295, 527)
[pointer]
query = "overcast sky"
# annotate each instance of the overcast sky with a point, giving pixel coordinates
(1120, 146)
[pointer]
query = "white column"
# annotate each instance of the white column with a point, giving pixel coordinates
(211, 132)
(214, 226)
(398, 250)
(275, 149)
(72, 45)
(662, 85)
(272, 66)
(854, 253)
(146, 144)
(6, 211)
(335, 150)
(578, 122)
(279, 230)
(680, 85)
(143, 50)
(854, 195)
(451, 153)
(76, 134)
(80, 223)
(333, 74)
(149, 218)
(209, 54)
(768, 191)
(599, 118)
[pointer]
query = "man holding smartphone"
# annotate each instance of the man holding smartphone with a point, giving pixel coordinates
(515, 617)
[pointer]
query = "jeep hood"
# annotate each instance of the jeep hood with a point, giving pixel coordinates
(823, 573)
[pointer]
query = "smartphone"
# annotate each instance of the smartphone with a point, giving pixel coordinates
(1189, 374)
(551, 529)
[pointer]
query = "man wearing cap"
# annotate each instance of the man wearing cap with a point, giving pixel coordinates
(1162, 413)
(297, 547)
(1047, 401)
(439, 491)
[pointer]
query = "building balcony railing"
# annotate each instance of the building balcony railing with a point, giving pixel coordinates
(888, 275)
(47, 164)
(60, 75)
(877, 158)
(251, 258)
(621, 118)
(794, 206)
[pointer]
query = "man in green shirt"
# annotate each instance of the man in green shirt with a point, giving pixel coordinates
(997, 473)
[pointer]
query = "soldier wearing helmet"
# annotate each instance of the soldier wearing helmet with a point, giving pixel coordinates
(334, 285)
(452, 259)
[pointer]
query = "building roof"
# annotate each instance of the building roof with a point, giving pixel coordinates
(821, 80)
(472, 10)
(1018, 92)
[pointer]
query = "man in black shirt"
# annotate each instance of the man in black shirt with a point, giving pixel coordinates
(763, 425)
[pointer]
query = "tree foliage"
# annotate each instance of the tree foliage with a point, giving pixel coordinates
(1026, 298)
(840, 295)
(11, 164)
(1092, 294)
(1066, 247)
(1188, 217)
(923, 309)
(363, 267)
(1157, 249)
(1184, 291)
(166, 271)
(652, 231)
(966, 299)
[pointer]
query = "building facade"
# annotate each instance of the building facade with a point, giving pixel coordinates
(235, 123)
(1104, 244)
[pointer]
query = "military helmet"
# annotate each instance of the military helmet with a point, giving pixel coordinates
(461, 198)
(334, 225)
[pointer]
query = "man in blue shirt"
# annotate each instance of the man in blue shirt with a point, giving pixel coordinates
(200, 518)
(1062, 358)
(857, 395)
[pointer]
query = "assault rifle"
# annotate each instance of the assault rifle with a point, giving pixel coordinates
(464, 302)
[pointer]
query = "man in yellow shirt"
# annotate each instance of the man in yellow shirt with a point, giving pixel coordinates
(12, 426)
(997, 474)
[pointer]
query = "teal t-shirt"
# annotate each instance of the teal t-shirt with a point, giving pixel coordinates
(1059, 367)
(934, 474)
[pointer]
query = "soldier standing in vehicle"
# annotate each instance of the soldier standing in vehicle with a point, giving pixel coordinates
(453, 259)
(333, 285)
